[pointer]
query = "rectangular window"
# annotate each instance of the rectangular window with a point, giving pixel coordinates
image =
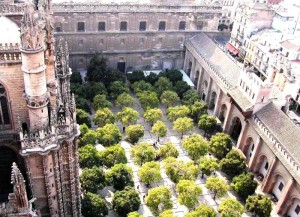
(266, 166)
(80, 27)
(143, 26)
(162, 26)
(123, 26)
(297, 210)
(182, 25)
(101, 26)
(57, 29)
(280, 187)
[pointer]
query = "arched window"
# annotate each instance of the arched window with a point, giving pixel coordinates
(4, 109)
(58, 27)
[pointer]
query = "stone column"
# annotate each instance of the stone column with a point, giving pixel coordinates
(253, 159)
(285, 196)
(242, 137)
(201, 72)
(185, 63)
(218, 102)
(266, 183)
(228, 115)
(208, 91)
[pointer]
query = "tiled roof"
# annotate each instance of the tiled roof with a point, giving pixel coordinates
(219, 60)
(282, 128)
(227, 71)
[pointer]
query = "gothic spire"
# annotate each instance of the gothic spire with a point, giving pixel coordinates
(31, 29)
(19, 187)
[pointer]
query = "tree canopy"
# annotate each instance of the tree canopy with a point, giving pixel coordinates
(116, 88)
(260, 205)
(97, 71)
(169, 98)
(244, 185)
(134, 214)
(220, 144)
(177, 112)
(202, 210)
(173, 75)
(197, 110)
(104, 116)
(190, 97)
(93, 205)
(153, 115)
(101, 102)
(195, 145)
(207, 123)
(233, 164)
(89, 156)
(160, 129)
(188, 192)
(152, 78)
(113, 155)
(136, 75)
(159, 199)
(208, 165)
(141, 86)
(124, 100)
(89, 137)
(134, 133)
(217, 185)
(108, 135)
(142, 153)
(150, 173)
(230, 207)
(119, 176)
(83, 117)
(178, 170)
(181, 87)
(92, 179)
(148, 100)
(162, 85)
(183, 125)
(168, 150)
(167, 213)
(128, 116)
(126, 201)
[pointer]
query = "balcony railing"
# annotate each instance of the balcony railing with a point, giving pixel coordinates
(10, 53)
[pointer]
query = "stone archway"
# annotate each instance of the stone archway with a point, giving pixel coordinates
(248, 148)
(223, 112)
(167, 63)
(196, 77)
(294, 209)
(204, 90)
(236, 127)
(278, 184)
(189, 69)
(262, 166)
(212, 103)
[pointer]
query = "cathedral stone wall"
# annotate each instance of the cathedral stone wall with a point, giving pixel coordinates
(11, 77)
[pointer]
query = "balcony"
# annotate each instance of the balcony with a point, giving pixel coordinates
(10, 53)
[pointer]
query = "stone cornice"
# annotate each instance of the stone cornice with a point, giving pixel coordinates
(129, 8)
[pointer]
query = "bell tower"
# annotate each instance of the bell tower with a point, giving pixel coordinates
(49, 141)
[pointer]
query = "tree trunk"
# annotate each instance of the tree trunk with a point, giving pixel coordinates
(215, 196)
(158, 139)
(202, 175)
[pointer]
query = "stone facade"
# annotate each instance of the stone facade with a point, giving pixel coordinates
(266, 136)
(38, 128)
(132, 35)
